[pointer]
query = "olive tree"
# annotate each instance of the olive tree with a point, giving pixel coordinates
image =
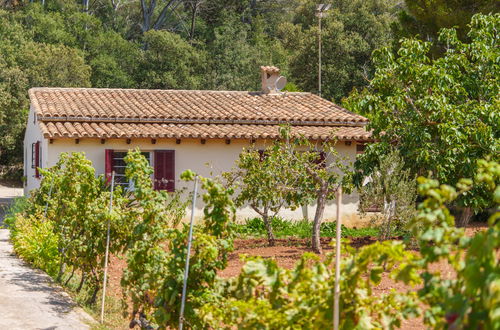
(391, 189)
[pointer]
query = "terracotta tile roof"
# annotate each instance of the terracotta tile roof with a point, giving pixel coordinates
(178, 106)
(162, 130)
(133, 113)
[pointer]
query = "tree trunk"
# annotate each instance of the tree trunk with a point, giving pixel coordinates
(269, 228)
(81, 283)
(70, 277)
(93, 298)
(318, 217)
(62, 267)
(193, 20)
(463, 216)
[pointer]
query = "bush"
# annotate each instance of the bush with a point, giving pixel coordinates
(34, 241)
(301, 228)
(32, 237)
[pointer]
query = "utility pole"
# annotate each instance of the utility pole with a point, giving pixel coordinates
(320, 12)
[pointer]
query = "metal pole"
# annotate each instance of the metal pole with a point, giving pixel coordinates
(337, 263)
(107, 248)
(186, 270)
(320, 14)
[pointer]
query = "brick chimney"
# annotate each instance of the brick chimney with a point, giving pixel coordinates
(269, 75)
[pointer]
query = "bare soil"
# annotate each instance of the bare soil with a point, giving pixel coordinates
(286, 253)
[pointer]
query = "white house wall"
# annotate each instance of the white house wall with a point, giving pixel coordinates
(32, 135)
(209, 160)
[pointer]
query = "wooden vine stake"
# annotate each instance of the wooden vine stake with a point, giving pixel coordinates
(337, 262)
(107, 248)
(188, 254)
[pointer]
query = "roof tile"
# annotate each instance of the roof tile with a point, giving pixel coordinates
(229, 131)
(93, 104)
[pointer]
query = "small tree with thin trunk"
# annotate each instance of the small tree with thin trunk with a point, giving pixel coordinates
(263, 179)
(392, 190)
(320, 170)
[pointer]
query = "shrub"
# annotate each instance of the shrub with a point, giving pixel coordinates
(300, 228)
(471, 299)
(392, 190)
(35, 242)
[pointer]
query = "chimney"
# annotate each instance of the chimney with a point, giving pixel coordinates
(270, 75)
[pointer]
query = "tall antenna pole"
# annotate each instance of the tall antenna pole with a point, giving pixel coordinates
(320, 11)
(319, 55)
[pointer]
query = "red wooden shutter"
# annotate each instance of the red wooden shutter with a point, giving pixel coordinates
(164, 176)
(37, 159)
(108, 165)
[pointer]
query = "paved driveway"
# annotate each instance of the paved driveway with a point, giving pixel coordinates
(28, 297)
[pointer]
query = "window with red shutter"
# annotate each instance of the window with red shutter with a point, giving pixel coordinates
(164, 170)
(108, 165)
(37, 159)
(115, 162)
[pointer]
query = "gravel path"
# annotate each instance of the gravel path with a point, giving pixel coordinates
(28, 297)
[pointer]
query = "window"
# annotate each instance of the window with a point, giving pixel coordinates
(36, 157)
(360, 148)
(164, 168)
(118, 165)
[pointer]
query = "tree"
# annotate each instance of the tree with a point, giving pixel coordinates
(148, 10)
(263, 179)
(426, 18)
(320, 170)
(351, 31)
(442, 114)
(393, 190)
(170, 62)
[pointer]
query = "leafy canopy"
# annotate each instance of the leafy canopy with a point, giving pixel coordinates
(441, 114)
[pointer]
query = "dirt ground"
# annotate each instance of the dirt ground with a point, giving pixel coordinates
(287, 252)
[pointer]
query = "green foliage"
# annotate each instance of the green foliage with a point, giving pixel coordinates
(212, 243)
(170, 62)
(264, 180)
(351, 31)
(472, 298)
(441, 114)
(425, 18)
(255, 227)
(33, 238)
(153, 214)
(78, 203)
(393, 191)
(157, 250)
(265, 296)
(34, 241)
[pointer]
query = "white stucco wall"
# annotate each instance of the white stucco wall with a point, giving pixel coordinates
(32, 135)
(208, 160)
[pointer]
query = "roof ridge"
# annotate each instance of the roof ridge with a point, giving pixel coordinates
(34, 89)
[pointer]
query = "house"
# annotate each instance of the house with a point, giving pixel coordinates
(181, 129)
